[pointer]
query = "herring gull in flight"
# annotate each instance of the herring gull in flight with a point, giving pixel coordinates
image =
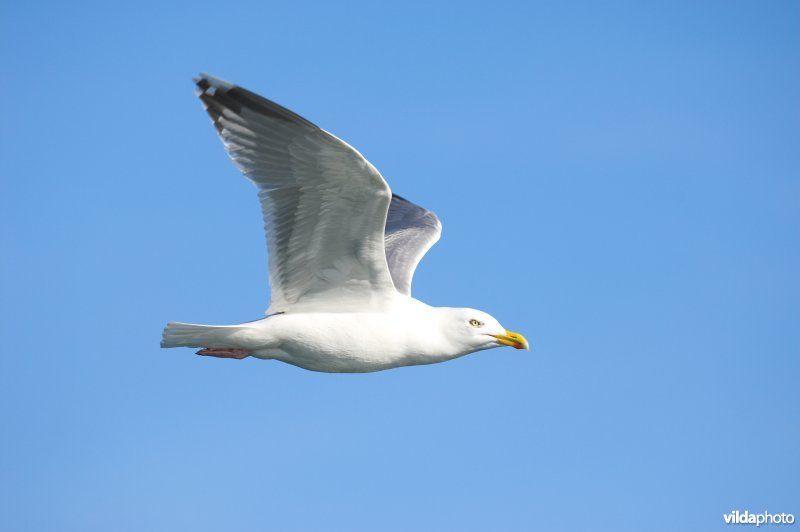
(342, 251)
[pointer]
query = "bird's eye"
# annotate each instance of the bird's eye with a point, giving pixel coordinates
(475, 323)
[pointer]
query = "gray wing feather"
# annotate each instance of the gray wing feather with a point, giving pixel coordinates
(324, 205)
(410, 233)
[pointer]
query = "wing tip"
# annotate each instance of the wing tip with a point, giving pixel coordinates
(216, 92)
(205, 82)
(420, 212)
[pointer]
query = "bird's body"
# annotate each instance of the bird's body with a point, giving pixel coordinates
(342, 253)
(409, 333)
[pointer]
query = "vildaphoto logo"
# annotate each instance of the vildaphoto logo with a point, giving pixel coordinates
(746, 518)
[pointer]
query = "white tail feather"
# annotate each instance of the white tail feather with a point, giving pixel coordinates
(178, 334)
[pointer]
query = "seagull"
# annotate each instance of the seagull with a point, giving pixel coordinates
(342, 251)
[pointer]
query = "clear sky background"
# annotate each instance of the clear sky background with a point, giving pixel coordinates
(619, 181)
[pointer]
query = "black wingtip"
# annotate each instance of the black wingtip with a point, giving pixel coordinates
(201, 82)
(206, 81)
(218, 94)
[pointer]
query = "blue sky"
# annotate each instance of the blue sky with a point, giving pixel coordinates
(619, 181)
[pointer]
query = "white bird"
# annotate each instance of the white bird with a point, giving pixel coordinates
(342, 251)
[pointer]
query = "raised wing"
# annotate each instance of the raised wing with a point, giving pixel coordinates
(410, 233)
(324, 205)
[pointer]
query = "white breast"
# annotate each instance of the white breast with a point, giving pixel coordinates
(354, 342)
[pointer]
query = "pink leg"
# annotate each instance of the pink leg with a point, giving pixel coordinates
(224, 352)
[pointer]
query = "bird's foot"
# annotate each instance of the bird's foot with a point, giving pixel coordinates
(224, 352)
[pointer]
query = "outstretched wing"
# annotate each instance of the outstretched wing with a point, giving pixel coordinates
(324, 205)
(410, 233)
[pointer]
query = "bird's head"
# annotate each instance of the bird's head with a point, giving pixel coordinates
(475, 330)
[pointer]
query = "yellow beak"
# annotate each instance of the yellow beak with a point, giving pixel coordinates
(515, 340)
